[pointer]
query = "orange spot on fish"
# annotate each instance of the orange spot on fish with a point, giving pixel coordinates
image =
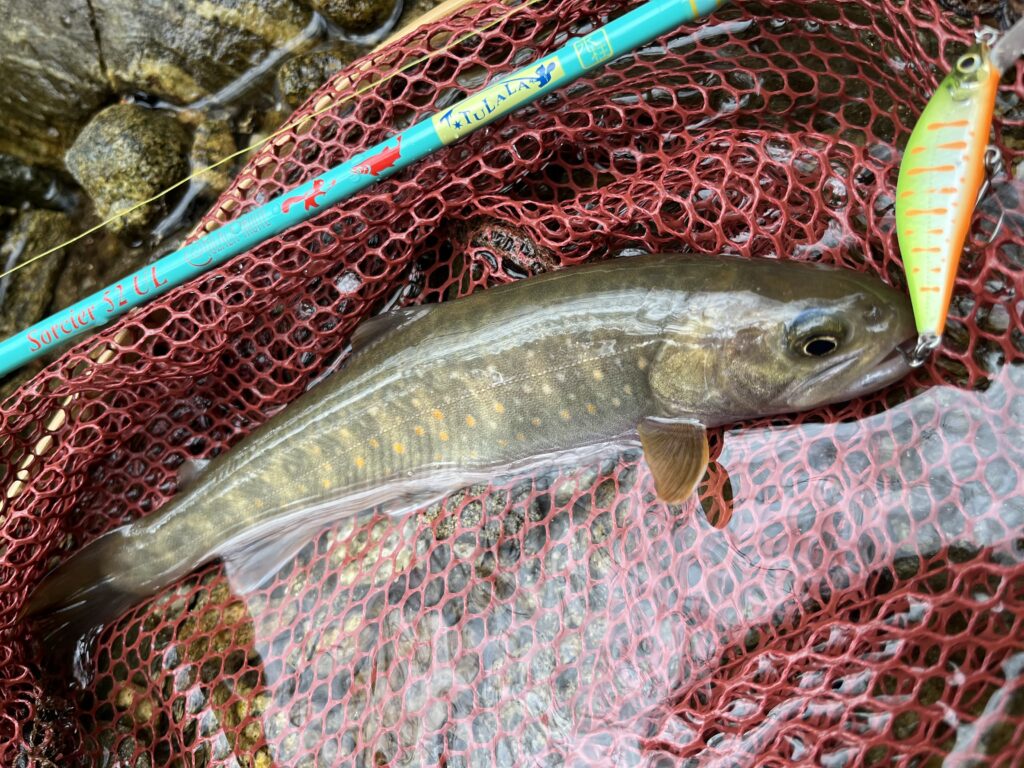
(908, 193)
(926, 250)
(909, 232)
(925, 211)
(929, 289)
(936, 270)
(937, 126)
(419, 431)
(932, 169)
(437, 414)
(915, 270)
(470, 421)
(918, 150)
(399, 448)
(954, 145)
(360, 462)
(442, 435)
(938, 231)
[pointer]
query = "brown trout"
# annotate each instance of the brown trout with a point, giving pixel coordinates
(542, 371)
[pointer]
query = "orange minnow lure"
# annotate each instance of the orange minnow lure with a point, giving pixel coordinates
(941, 174)
(941, 177)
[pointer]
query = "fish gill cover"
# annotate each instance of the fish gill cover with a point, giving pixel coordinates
(865, 603)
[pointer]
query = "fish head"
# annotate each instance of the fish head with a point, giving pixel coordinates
(788, 337)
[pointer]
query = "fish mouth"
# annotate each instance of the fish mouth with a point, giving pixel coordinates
(889, 369)
(886, 371)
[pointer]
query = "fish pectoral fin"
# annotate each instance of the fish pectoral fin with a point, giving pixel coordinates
(375, 328)
(250, 567)
(189, 471)
(677, 453)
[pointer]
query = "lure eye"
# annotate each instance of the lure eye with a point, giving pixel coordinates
(969, 63)
(820, 346)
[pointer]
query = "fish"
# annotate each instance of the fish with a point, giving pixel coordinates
(941, 178)
(547, 371)
(382, 161)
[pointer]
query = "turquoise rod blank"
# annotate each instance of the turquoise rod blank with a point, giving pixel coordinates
(507, 94)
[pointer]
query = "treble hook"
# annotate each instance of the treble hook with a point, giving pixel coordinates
(994, 166)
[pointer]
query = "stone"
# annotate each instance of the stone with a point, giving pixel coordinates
(301, 76)
(25, 296)
(212, 142)
(93, 263)
(359, 16)
(413, 9)
(21, 183)
(52, 75)
(183, 51)
(126, 154)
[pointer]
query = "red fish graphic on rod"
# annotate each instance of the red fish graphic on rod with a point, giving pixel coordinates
(383, 160)
(310, 199)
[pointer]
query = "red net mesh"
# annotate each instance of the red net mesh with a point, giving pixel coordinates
(864, 604)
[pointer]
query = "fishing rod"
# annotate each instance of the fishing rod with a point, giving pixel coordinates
(504, 96)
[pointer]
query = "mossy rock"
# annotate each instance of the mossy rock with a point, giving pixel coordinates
(28, 293)
(359, 16)
(52, 77)
(301, 76)
(126, 154)
(183, 51)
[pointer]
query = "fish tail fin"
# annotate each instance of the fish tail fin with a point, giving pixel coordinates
(79, 597)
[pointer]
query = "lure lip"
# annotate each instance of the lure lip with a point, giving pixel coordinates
(1004, 53)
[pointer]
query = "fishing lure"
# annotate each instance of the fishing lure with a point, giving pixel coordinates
(941, 179)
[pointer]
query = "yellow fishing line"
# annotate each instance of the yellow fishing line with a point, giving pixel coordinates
(280, 131)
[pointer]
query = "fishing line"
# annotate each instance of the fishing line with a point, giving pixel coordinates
(279, 132)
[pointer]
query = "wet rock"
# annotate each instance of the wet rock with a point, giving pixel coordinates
(301, 76)
(16, 378)
(360, 16)
(126, 154)
(92, 264)
(413, 9)
(25, 296)
(7, 216)
(212, 143)
(186, 50)
(52, 77)
(39, 187)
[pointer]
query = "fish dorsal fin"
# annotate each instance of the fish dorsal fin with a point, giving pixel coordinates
(374, 329)
(676, 450)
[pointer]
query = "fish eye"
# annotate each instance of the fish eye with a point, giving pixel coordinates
(820, 346)
(816, 333)
(969, 63)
